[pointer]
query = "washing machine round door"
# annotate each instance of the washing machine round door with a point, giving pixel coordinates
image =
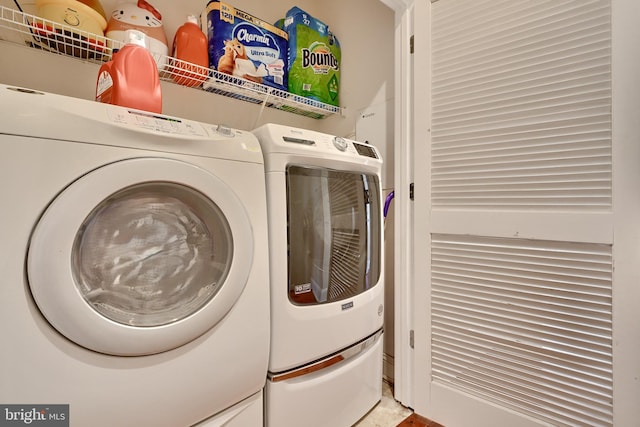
(140, 256)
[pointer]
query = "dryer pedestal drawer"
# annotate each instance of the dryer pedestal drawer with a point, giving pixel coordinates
(336, 396)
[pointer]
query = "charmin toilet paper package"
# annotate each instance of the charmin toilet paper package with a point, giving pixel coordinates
(245, 46)
(314, 57)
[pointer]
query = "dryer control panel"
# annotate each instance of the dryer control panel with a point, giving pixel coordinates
(341, 144)
(286, 145)
(320, 142)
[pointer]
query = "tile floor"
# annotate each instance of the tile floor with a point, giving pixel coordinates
(387, 413)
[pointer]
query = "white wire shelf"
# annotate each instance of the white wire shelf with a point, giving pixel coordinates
(55, 38)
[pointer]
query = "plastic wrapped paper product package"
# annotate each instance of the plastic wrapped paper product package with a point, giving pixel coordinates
(314, 57)
(244, 46)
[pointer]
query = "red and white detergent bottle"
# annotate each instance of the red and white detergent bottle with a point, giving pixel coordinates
(131, 80)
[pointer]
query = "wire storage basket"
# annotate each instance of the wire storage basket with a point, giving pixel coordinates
(35, 32)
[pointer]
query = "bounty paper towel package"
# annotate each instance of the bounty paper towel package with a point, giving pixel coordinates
(245, 46)
(314, 57)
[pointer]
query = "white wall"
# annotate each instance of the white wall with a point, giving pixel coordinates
(375, 125)
(363, 27)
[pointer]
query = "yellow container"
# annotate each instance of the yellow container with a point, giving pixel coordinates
(81, 32)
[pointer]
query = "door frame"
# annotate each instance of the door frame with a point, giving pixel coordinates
(407, 376)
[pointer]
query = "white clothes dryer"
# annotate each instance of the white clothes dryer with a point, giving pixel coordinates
(325, 232)
(134, 265)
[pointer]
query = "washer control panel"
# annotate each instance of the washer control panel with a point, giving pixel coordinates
(157, 122)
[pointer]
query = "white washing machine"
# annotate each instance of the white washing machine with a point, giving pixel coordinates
(325, 231)
(134, 266)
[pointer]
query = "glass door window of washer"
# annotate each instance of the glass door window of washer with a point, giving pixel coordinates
(152, 254)
(334, 234)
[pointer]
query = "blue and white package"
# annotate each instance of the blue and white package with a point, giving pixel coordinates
(244, 46)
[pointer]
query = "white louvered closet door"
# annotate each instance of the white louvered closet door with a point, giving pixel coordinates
(519, 251)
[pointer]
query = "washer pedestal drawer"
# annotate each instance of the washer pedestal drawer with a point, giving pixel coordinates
(247, 413)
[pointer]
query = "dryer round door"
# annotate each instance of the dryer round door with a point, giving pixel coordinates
(140, 256)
